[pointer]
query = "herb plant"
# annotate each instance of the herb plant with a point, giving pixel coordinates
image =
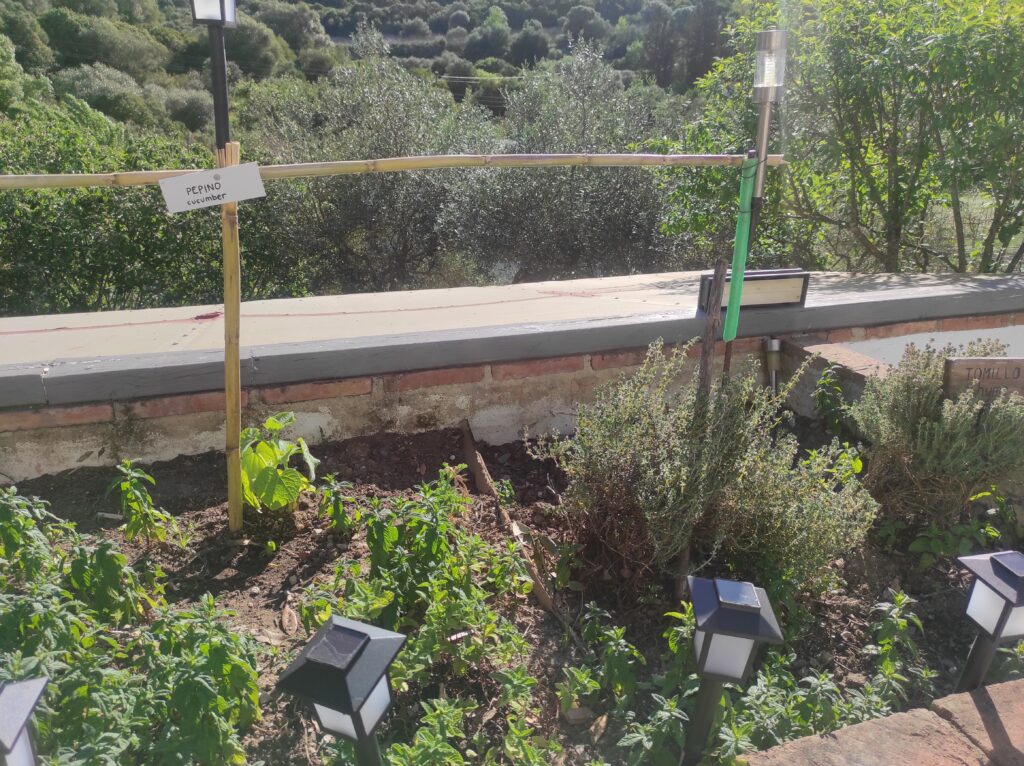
(142, 518)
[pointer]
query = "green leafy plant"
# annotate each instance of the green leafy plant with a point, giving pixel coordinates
(131, 680)
(934, 543)
(579, 687)
(506, 492)
(928, 455)
(337, 504)
(830, 401)
(142, 518)
(778, 707)
(429, 577)
(658, 740)
(269, 482)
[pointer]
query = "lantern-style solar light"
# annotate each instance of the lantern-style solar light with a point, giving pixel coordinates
(219, 12)
(770, 66)
(217, 15)
(996, 603)
(17, 702)
(342, 671)
(769, 78)
(733, 618)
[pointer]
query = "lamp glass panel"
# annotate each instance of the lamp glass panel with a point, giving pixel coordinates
(1014, 624)
(376, 704)
(985, 607)
(698, 642)
(207, 10)
(728, 655)
(771, 69)
(229, 12)
(336, 722)
(21, 753)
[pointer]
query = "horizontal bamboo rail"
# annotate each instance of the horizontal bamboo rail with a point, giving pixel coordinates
(390, 165)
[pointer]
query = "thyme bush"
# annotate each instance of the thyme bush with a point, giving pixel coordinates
(929, 455)
(656, 472)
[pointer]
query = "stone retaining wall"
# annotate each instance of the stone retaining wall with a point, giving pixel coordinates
(982, 728)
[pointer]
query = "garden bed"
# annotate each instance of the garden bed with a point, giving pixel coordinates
(263, 577)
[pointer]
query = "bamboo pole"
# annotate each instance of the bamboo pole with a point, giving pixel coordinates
(230, 155)
(388, 165)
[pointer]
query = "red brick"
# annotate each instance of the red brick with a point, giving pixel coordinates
(992, 718)
(55, 417)
(902, 328)
(447, 376)
(305, 392)
(843, 334)
(607, 360)
(186, 404)
(535, 367)
(977, 323)
(753, 345)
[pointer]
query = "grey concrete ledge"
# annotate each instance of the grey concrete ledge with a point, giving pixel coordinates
(71, 359)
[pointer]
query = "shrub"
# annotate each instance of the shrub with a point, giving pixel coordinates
(928, 454)
(656, 471)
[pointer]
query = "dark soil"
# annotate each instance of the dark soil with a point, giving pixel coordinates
(258, 576)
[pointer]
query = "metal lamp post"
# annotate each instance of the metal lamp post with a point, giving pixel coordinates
(219, 15)
(733, 618)
(17, 702)
(342, 672)
(996, 604)
(769, 77)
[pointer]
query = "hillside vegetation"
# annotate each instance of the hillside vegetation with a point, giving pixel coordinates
(902, 126)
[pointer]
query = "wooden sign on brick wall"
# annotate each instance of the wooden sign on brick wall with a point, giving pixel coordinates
(990, 374)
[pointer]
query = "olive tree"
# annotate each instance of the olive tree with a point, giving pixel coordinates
(562, 222)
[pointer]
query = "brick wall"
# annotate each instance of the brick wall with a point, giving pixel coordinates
(500, 399)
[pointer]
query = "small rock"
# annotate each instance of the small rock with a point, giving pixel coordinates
(577, 716)
(856, 679)
(254, 591)
(317, 531)
(293, 579)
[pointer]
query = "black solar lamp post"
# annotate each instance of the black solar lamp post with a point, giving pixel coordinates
(733, 618)
(217, 15)
(18, 700)
(996, 604)
(342, 672)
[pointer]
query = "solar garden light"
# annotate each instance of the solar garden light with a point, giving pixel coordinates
(17, 702)
(996, 603)
(733, 618)
(769, 77)
(217, 15)
(342, 671)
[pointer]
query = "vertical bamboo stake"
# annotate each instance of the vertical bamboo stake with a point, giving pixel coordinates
(230, 155)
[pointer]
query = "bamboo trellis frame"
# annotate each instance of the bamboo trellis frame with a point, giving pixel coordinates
(389, 165)
(229, 224)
